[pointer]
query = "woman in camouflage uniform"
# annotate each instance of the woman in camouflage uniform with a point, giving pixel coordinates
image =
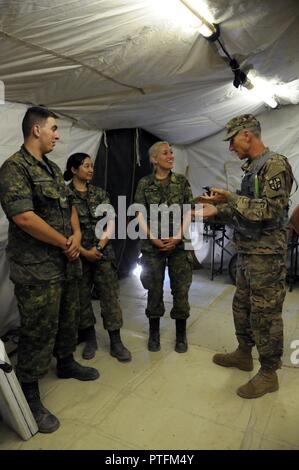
(163, 189)
(97, 259)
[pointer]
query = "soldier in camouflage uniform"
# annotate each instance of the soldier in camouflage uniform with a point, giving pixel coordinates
(259, 214)
(43, 250)
(98, 260)
(164, 187)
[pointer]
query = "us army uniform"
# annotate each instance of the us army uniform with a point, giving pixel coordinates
(45, 282)
(179, 261)
(258, 214)
(101, 274)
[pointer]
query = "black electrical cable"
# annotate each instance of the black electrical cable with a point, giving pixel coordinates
(239, 76)
(224, 50)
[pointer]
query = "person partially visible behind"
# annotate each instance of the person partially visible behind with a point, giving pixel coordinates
(43, 250)
(259, 215)
(98, 260)
(164, 188)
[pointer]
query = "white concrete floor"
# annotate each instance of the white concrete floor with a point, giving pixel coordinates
(172, 401)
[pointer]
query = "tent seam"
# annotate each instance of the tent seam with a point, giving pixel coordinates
(73, 60)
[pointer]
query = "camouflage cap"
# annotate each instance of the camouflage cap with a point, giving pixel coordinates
(245, 121)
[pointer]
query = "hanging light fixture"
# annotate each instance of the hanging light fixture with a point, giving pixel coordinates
(253, 83)
(207, 28)
(260, 88)
(247, 82)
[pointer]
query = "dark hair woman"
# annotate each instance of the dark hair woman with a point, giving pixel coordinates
(97, 258)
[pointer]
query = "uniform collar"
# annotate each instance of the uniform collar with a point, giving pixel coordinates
(30, 159)
(78, 193)
(153, 180)
(249, 162)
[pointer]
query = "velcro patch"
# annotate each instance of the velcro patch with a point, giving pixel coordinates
(275, 183)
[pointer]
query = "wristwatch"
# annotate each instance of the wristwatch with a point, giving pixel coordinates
(100, 248)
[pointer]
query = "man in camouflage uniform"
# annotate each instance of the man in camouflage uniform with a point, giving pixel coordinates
(164, 187)
(259, 214)
(43, 249)
(98, 260)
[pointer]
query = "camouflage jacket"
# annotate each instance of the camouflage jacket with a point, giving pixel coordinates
(86, 205)
(151, 191)
(263, 214)
(27, 185)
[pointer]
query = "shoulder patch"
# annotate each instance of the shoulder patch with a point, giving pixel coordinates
(275, 183)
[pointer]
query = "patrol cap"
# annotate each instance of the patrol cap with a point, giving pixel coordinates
(237, 124)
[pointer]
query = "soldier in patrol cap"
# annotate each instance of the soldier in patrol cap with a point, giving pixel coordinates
(43, 249)
(259, 214)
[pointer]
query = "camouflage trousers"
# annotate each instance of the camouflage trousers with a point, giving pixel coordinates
(257, 305)
(102, 275)
(180, 274)
(49, 323)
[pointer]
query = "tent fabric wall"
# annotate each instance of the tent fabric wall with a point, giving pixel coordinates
(9, 314)
(117, 64)
(72, 138)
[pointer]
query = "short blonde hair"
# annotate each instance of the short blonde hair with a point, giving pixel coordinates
(153, 150)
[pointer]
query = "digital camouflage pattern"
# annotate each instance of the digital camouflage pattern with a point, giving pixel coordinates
(26, 185)
(237, 124)
(180, 264)
(152, 191)
(257, 305)
(177, 191)
(261, 270)
(269, 207)
(49, 313)
(86, 205)
(48, 304)
(102, 274)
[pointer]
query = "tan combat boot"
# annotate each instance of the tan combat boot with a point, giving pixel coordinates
(241, 358)
(264, 381)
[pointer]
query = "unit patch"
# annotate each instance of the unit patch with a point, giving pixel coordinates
(275, 183)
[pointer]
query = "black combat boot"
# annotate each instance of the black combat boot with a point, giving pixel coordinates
(46, 422)
(91, 345)
(68, 368)
(181, 344)
(117, 349)
(81, 336)
(154, 335)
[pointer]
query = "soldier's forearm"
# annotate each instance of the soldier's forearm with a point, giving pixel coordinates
(75, 223)
(143, 225)
(83, 251)
(224, 214)
(184, 232)
(35, 226)
(258, 210)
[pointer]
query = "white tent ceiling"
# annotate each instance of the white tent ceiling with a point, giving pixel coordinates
(142, 63)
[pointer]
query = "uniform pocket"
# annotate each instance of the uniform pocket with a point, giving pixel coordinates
(152, 196)
(49, 191)
(266, 271)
